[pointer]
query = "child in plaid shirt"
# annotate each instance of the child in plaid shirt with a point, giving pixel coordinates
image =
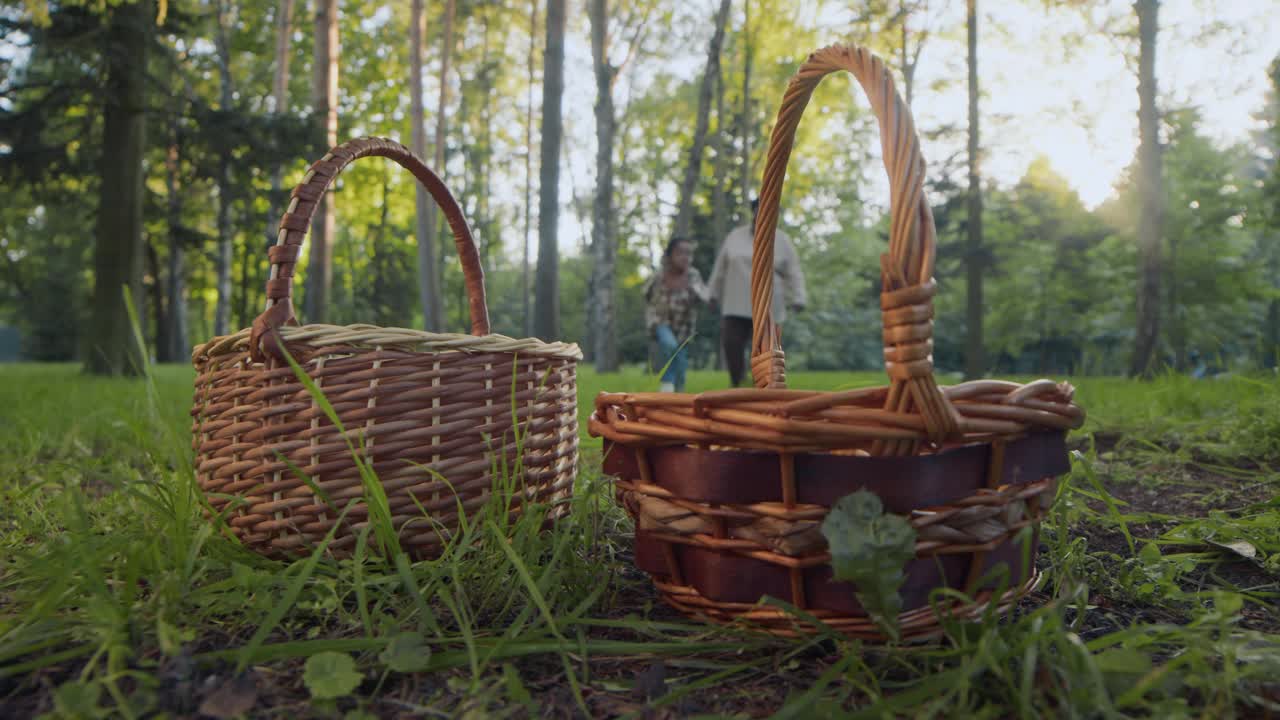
(671, 298)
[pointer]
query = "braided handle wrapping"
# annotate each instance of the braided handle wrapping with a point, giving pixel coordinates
(906, 300)
(297, 220)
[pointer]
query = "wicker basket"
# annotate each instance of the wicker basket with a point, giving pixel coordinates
(729, 488)
(436, 416)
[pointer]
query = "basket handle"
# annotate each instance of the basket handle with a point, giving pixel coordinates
(906, 299)
(297, 220)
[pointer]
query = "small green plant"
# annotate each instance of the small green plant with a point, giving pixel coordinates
(331, 675)
(1151, 576)
(1252, 535)
(407, 653)
(870, 549)
(77, 699)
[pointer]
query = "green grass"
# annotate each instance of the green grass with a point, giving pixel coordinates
(118, 599)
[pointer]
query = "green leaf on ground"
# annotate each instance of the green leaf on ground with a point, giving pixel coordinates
(406, 653)
(78, 700)
(331, 675)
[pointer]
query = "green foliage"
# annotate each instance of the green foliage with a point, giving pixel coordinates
(1151, 576)
(1148, 612)
(406, 652)
(870, 549)
(331, 675)
(79, 700)
(512, 617)
(1253, 535)
(1060, 282)
(45, 296)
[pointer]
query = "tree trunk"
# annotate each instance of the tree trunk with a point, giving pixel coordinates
(1150, 192)
(720, 198)
(249, 255)
(547, 301)
(528, 170)
(684, 211)
(719, 204)
(1177, 332)
(175, 347)
(974, 356)
(425, 208)
(746, 129)
(280, 78)
(442, 130)
(279, 104)
(386, 306)
(178, 346)
(466, 196)
(1271, 230)
(485, 218)
(222, 310)
(324, 92)
(159, 326)
(117, 255)
(1272, 334)
(908, 60)
(748, 126)
(908, 74)
(603, 250)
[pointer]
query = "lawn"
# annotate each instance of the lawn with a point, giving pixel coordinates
(1162, 555)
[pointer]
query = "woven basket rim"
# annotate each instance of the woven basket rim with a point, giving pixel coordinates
(318, 335)
(786, 420)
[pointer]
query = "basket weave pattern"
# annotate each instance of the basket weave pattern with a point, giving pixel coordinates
(728, 488)
(437, 416)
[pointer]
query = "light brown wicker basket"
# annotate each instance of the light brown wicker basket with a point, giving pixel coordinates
(436, 416)
(729, 488)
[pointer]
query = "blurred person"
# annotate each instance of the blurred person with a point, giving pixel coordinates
(671, 299)
(730, 288)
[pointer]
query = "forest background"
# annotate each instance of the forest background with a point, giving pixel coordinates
(1103, 174)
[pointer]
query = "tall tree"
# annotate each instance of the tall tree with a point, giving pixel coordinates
(155, 290)
(484, 163)
(280, 74)
(746, 127)
(425, 208)
(1150, 192)
(887, 27)
(1270, 139)
(601, 327)
(528, 169)
(603, 249)
(172, 345)
(909, 57)
(684, 211)
(720, 168)
(324, 95)
(547, 301)
(171, 307)
(118, 246)
(279, 104)
(222, 44)
(974, 355)
(442, 128)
